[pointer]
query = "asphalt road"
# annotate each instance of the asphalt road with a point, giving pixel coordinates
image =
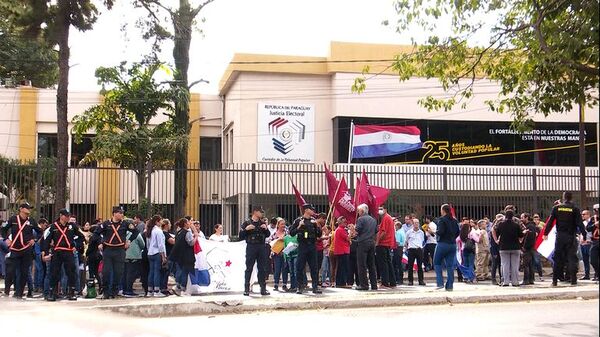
(574, 318)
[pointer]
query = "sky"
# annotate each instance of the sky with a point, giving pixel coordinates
(284, 27)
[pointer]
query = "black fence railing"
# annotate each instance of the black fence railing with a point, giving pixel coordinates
(225, 195)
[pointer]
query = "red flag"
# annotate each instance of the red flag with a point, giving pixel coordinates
(332, 183)
(373, 196)
(299, 198)
(343, 205)
(453, 212)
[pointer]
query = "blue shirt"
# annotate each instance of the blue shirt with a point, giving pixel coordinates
(400, 237)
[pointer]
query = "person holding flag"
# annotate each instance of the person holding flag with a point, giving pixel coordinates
(307, 231)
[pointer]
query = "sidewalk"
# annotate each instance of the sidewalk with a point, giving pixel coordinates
(211, 304)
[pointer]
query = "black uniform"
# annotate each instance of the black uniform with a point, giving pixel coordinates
(255, 251)
(307, 249)
(62, 240)
(20, 255)
(114, 236)
(528, 253)
(568, 220)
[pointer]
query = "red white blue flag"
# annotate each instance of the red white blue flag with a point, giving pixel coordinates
(370, 141)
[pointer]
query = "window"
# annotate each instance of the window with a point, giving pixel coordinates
(78, 151)
(47, 145)
(210, 152)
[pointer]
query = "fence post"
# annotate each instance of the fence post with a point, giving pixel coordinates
(351, 180)
(445, 183)
(253, 188)
(534, 188)
(38, 189)
(149, 192)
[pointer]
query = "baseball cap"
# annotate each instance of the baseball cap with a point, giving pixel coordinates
(64, 212)
(118, 209)
(308, 206)
(25, 205)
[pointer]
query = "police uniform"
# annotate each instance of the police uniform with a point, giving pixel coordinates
(62, 247)
(255, 252)
(20, 255)
(114, 237)
(307, 250)
(568, 220)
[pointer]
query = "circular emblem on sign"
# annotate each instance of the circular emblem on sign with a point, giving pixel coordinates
(387, 136)
(286, 134)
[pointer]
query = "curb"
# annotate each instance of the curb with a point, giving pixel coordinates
(238, 307)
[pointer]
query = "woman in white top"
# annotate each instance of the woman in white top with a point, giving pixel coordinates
(218, 235)
(157, 255)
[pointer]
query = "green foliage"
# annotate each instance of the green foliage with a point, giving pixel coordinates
(543, 54)
(132, 97)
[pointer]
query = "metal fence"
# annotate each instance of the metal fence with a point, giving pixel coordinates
(225, 195)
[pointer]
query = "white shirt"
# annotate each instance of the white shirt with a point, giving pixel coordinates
(431, 237)
(156, 243)
(219, 238)
(414, 239)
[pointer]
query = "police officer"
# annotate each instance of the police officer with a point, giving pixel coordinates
(568, 220)
(61, 239)
(255, 232)
(114, 244)
(17, 233)
(307, 231)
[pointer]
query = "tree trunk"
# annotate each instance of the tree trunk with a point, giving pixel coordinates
(182, 23)
(63, 23)
(141, 185)
(582, 187)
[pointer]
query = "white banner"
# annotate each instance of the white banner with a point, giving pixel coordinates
(286, 133)
(226, 264)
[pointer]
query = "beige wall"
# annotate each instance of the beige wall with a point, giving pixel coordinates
(9, 122)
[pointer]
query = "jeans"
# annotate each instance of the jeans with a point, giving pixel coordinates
(528, 268)
(365, 256)
(398, 265)
(154, 262)
(594, 257)
(384, 259)
(47, 279)
(164, 274)
(469, 263)
(181, 276)
(343, 269)
(292, 262)
(325, 270)
(279, 263)
(585, 256)
(445, 253)
(428, 252)
(537, 263)
(510, 266)
(38, 281)
(132, 272)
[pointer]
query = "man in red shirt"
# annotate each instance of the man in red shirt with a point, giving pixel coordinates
(384, 243)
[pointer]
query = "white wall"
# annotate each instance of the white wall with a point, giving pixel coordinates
(9, 122)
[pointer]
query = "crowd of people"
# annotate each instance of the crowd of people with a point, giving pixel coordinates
(61, 259)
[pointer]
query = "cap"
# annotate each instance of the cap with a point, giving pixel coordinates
(64, 212)
(596, 206)
(308, 206)
(258, 209)
(25, 205)
(118, 209)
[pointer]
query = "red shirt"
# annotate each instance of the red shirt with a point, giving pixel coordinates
(387, 226)
(340, 243)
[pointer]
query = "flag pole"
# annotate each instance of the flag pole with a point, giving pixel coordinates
(331, 206)
(293, 185)
(351, 144)
(355, 200)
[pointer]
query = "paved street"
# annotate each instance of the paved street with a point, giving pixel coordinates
(546, 318)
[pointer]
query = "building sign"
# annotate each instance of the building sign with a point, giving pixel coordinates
(485, 143)
(286, 133)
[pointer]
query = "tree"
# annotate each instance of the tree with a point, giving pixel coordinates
(182, 20)
(51, 21)
(132, 97)
(543, 54)
(22, 58)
